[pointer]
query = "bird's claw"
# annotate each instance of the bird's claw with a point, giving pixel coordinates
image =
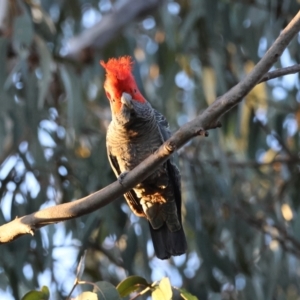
(121, 177)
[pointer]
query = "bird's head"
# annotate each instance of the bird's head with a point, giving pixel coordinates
(120, 86)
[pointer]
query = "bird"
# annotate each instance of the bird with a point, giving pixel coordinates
(135, 132)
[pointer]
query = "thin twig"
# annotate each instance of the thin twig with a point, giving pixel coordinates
(280, 72)
(269, 131)
(117, 261)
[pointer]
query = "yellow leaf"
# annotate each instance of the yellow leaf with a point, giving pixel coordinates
(83, 152)
(209, 84)
(184, 63)
(269, 156)
(231, 48)
(287, 212)
(163, 291)
(154, 71)
(274, 245)
(257, 98)
(159, 36)
(245, 114)
(139, 54)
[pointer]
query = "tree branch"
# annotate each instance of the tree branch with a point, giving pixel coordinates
(104, 31)
(207, 120)
(3, 14)
(288, 242)
(253, 163)
(280, 72)
(269, 131)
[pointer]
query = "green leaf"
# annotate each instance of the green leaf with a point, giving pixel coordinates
(46, 27)
(45, 64)
(163, 291)
(3, 58)
(46, 291)
(23, 30)
(130, 250)
(43, 294)
(296, 226)
(87, 296)
(131, 284)
(33, 295)
(23, 55)
(81, 266)
(75, 108)
(186, 295)
(106, 291)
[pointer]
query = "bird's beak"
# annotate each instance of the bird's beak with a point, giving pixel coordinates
(126, 100)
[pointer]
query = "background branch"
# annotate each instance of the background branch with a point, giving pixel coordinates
(251, 163)
(3, 14)
(269, 131)
(104, 31)
(288, 242)
(207, 120)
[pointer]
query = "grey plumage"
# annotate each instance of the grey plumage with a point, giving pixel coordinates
(133, 134)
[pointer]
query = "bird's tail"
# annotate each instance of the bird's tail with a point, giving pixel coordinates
(167, 243)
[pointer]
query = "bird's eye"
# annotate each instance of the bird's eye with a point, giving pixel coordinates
(134, 91)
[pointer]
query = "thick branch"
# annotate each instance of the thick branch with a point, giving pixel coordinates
(207, 120)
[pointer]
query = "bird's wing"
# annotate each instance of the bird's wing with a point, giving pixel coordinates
(165, 242)
(172, 169)
(163, 125)
(131, 197)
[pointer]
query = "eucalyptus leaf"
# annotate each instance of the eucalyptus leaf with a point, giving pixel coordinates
(43, 294)
(131, 284)
(46, 66)
(186, 295)
(106, 291)
(81, 266)
(22, 31)
(3, 53)
(75, 109)
(87, 296)
(163, 291)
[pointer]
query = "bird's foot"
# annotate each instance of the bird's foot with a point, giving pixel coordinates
(122, 176)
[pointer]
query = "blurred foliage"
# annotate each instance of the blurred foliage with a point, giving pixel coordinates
(240, 186)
